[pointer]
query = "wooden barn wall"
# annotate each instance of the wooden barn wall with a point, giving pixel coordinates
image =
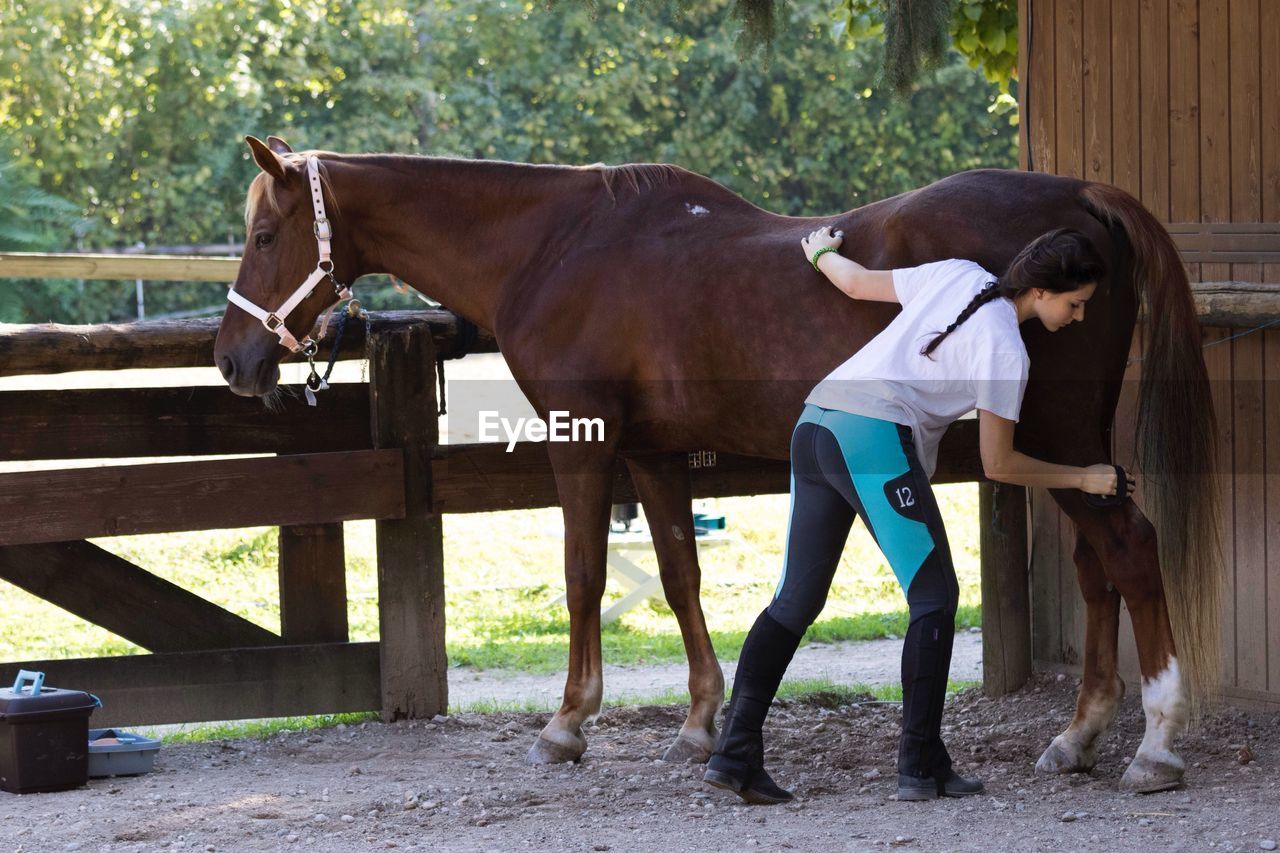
(1177, 102)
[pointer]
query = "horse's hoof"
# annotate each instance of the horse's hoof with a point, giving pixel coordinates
(1148, 775)
(546, 751)
(684, 750)
(1064, 757)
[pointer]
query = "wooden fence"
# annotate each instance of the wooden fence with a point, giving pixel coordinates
(209, 664)
(369, 451)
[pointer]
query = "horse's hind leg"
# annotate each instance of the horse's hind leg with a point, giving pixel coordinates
(1126, 542)
(662, 483)
(1075, 750)
(584, 479)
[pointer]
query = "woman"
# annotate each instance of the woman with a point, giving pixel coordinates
(866, 446)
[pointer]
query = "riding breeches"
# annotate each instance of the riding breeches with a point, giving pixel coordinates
(845, 465)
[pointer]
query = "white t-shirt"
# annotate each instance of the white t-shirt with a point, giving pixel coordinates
(983, 364)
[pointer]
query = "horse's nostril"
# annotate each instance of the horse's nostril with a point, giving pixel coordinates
(227, 367)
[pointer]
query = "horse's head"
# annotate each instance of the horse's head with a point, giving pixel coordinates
(287, 275)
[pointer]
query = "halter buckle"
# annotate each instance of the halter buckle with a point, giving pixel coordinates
(323, 230)
(272, 322)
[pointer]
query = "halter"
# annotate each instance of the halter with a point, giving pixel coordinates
(274, 320)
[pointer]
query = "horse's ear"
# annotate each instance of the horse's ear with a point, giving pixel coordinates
(269, 161)
(278, 145)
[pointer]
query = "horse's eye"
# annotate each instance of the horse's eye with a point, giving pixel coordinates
(263, 240)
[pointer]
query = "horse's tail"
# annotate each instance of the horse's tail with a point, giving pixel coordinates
(1175, 440)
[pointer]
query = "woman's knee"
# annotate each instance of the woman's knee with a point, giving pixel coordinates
(796, 617)
(934, 588)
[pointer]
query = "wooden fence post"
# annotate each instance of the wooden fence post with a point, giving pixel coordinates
(403, 409)
(313, 584)
(1006, 603)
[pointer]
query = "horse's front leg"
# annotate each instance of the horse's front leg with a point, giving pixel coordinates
(1126, 542)
(662, 483)
(584, 479)
(1101, 688)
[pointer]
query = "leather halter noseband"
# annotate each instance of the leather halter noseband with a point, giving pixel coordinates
(274, 320)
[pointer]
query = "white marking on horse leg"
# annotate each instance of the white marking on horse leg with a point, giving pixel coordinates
(1156, 767)
(1165, 704)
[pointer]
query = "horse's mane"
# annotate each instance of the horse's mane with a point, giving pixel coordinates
(637, 178)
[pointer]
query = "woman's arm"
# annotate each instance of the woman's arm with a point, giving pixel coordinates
(1002, 463)
(849, 276)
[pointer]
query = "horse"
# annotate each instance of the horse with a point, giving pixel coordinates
(684, 317)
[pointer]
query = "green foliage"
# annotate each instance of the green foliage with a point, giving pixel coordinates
(134, 110)
(915, 33)
(30, 218)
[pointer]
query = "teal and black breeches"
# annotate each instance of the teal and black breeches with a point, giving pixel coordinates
(845, 466)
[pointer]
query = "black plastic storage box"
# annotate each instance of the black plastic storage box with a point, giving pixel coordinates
(44, 736)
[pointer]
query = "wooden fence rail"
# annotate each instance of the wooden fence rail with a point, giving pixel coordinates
(1219, 303)
(52, 348)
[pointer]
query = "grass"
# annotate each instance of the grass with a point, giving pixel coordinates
(504, 573)
(823, 692)
(260, 729)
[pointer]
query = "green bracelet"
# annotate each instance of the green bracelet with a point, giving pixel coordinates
(820, 253)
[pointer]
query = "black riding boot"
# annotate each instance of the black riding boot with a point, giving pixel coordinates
(738, 763)
(924, 766)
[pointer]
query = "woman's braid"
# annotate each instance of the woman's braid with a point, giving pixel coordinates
(982, 297)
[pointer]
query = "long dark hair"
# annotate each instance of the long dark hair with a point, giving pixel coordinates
(1061, 260)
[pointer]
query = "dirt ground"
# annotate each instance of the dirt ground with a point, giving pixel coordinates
(461, 784)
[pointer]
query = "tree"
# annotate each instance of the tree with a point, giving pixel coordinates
(916, 34)
(134, 110)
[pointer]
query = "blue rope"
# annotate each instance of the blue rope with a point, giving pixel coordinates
(1265, 325)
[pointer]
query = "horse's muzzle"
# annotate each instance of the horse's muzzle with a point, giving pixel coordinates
(260, 378)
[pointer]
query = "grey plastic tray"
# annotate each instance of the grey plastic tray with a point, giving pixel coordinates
(133, 756)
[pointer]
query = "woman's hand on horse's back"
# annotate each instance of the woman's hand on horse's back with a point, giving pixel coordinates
(821, 239)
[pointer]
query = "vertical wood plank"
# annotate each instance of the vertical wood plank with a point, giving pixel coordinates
(1024, 77)
(1184, 116)
(1097, 90)
(1203, 32)
(1250, 512)
(1006, 605)
(1271, 533)
(313, 584)
(1126, 75)
(1069, 87)
(411, 604)
(1245, 105)
(1041, 117)
(1249, 393)
(1217, 359)
(1269, 50)
(1154, 106)
(1216, 92)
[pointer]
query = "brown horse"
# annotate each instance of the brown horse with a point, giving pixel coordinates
(686, 318)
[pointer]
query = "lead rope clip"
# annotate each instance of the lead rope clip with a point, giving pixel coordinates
(315, 382)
